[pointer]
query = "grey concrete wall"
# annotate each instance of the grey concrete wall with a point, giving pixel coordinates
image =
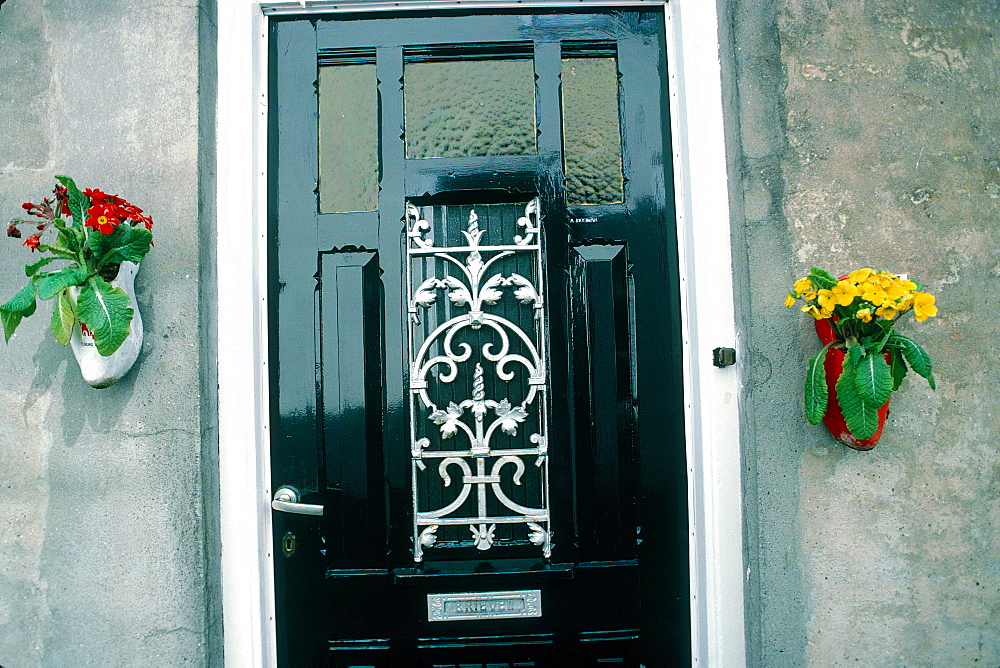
(870, 136)
(209, 415)
(102, 549)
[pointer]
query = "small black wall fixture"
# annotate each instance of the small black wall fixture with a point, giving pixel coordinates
(722, 357)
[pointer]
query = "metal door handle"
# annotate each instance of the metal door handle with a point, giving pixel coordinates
(286, 499)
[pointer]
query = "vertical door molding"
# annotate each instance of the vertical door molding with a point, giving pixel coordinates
(703, 228)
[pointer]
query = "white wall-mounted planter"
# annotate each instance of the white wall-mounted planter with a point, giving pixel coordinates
(100, 371)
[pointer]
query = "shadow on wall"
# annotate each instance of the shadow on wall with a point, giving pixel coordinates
(101, 409)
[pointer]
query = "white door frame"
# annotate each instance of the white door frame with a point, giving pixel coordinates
(703, 230)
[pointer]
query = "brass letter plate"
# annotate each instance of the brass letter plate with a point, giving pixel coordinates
(484, 605)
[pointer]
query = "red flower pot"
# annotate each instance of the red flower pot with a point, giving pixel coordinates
(834, 418)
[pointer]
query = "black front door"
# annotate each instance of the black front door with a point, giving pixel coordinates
(476, 420)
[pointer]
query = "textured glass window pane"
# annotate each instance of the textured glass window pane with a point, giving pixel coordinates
(592, 140)
(348, 139)
(469, 108)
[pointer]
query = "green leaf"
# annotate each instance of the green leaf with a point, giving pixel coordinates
(816, 392)
(10, 322)
(52, 283)
(22, 305)
(78, 202)
(69, 237)
(916, 356)
(876, 344)
(855, 351)
(873, 379)
(860, 416)
(898, 368)
(124, 243)
(23, 301)
(821, 278)
(63, 318)
(61, 251)
(106, 311)
(102, 244)
(32, 269)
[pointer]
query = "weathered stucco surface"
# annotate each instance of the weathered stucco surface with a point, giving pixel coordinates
(872, 138)
(101, 546)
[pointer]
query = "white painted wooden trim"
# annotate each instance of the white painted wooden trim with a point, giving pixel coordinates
(711, 394)
(708, 317)
(244, 471)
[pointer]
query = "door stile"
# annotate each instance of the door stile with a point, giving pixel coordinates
(389, 73)
(292, 296)
(551, 191)
(660, 427)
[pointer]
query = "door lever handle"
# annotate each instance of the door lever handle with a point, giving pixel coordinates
(286, 499)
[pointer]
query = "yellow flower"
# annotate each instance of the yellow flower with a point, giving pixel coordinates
(872, 293)
(859, 275)
(790, 301)
(887, 279)
(826, 299)
(844, 293)
(887, 311)
(864, 315)
(923, 306)
(802, 285)
(814, 311)
(895, 290)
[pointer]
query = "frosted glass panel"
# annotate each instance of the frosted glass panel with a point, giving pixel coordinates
(592, 140)
(348, 139)
(469, 108)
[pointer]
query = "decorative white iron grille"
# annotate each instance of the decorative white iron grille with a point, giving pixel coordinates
(478, 404)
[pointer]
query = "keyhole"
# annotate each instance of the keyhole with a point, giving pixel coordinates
(288, 544)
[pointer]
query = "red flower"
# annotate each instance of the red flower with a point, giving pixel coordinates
(43, 210)
(102, 218)
(32, 242)
(96, 195)
(134, 214)
(12, 231)
(62, 195)
(131, 211)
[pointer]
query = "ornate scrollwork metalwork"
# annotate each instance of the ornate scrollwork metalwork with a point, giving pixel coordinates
(477, 339)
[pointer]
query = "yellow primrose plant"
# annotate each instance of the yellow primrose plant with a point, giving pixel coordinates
(856, 319)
